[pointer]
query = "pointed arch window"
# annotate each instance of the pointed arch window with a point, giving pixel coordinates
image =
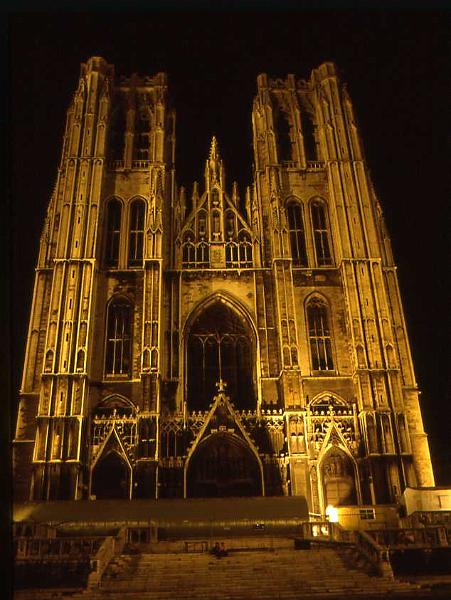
(321, 234)
(202, 223)
(231, 249)
(239, 254)
(319, 336)
(219, 346)
(297, 235)
(202, 255)
(113, 235)
(118, 338)
(245, 250)
(136, 236)
(188, 252)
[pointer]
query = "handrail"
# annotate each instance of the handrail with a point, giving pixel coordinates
(367, 546)
(322, 530)
(111, 546)
(378, 556)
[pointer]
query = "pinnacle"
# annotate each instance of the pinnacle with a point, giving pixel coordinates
(214, 149)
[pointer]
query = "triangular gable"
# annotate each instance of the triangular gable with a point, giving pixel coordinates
(222, 417)
(112, 439)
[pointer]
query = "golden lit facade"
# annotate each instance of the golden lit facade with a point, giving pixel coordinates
(209, 344)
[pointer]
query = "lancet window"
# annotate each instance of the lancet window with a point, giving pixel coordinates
(297, 235)
(319, 335)
(136, 235)
(113, 234)
(118, 338)
(202, 254)
(282, 126)
(195, 255)
(239, 253)
(117, 131)
(320, 234)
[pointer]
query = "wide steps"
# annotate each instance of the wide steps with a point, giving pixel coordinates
(283, 574)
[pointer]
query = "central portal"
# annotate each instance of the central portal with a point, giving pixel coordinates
(223, 466)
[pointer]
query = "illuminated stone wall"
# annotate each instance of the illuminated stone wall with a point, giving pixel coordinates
(284, 294)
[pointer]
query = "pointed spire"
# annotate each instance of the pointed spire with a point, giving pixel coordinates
(214, 150)
(182, 197)
(235, 194)
(195, 196)
(214, 172)
(247, 204)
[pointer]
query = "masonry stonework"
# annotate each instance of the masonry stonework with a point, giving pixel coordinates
(207, 343)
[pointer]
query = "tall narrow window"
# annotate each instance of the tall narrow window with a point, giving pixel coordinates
(118, 343)
(113, 233)
(117, 131)
(297, 236)
(245, 250)
(320, 234)
(282, 126)
(202, 254)
(142, 136)
(319, 336)
(188, 252)
(136, 239)
(308, 135)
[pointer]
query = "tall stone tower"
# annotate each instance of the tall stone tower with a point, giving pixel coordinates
(210, 344)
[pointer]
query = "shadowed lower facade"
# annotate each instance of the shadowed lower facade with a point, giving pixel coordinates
(206, 344)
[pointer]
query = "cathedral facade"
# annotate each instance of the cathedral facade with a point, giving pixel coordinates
(202, 343)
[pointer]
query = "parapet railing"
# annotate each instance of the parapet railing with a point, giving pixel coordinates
(312, 165)
(315, 165)
(26, 548)
(433, 536)
(118, 165)
(423, 518)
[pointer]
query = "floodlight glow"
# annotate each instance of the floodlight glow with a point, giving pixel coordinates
(332, 513)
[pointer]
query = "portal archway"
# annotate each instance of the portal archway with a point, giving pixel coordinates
(223, 466)
(111, 478)
(338, 478)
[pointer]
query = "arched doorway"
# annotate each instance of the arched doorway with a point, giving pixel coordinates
(338, 479)
(111, 478)
(223, 466)
(220, 345)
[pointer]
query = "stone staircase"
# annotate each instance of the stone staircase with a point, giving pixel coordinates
(263, 574)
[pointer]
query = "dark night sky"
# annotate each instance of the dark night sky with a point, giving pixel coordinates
(396, 65)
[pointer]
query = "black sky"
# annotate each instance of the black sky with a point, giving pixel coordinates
(396, 65)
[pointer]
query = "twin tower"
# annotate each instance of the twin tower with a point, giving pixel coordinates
(210, 344)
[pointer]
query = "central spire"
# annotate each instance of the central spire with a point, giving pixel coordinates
(214, 172)
(214, 150)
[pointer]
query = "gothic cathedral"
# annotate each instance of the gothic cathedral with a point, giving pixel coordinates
(202, 343)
